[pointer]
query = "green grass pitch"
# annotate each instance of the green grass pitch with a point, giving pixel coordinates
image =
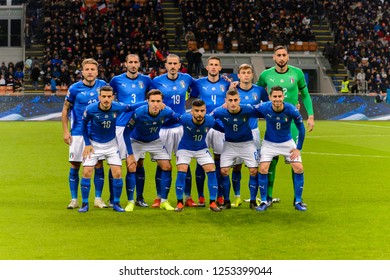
(347, 189)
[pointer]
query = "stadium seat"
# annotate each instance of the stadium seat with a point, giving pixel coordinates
(264, 45)
(234, 45)
(292, 46)
(220, 43)
(3, 90)
(10, 89)
(312, 46)
(298, 46)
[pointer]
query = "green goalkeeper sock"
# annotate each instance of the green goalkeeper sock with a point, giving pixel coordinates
(271, 176)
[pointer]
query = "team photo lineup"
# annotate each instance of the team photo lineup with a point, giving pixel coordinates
(175, 118)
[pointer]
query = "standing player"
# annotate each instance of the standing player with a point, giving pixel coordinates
(292, 80)
(100, 142)
(238, 143)
(79, 96)
(193, 145)
(144, 130)
(131, 87)
(278, 141)
(212, 89)
(174, 86)
(249, 94)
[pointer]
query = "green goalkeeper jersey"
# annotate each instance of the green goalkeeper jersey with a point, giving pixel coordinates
(292, 81)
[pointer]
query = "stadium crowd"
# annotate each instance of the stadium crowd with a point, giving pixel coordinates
(361, 41)
(72, 32)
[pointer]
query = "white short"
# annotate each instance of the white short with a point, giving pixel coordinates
(109, 151)
(215, 140)
(242, 150)
(257, 141)
(76, 149)
(202, 157)
(269, 150)
(121, 142)
(156, 149)
(171, 137)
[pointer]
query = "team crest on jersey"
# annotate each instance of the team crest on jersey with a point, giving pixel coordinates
(183, 84)
(132, 122)
(222, 87)
(114, 115)
(207, 130)
(71, 156)
(292, 80)
(254, 96)
(85, 114)
(141, 85)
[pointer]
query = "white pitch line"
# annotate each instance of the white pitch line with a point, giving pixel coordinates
(359, 124)
(344, 155)
(347, 136)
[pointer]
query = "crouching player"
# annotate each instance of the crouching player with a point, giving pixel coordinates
(100, 142)
(193, 145)
(278, 141)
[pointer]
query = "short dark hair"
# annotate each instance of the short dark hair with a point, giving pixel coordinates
(276, 88)
(280, 47)
(106, 88)
(154, 92)
(232, 92)
(198, 102)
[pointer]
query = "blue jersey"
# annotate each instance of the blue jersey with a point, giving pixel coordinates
(175, 92)
(194, 135)
(278, 128)
(129, 91)
(253, 96)
(80, 96)
(236, 125)
(145, 127)
(212, 93)
(103, 123)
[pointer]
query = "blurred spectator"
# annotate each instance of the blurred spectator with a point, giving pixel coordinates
(3, 82)
(35, 74)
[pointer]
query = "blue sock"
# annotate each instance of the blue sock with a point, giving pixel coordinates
(226, 187)
(140, 182)
(110, 185)
(253, 186)
(180, 182)
(98, 181)
(298, 187)
(263, 185)
(188, 182)
(117, 185)
(219, 177)
(74, 182)
(212, 184)
(236, 181)
(85, 188)
(200, 178)
(130, 185)
(157, 179)
(166, 178)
